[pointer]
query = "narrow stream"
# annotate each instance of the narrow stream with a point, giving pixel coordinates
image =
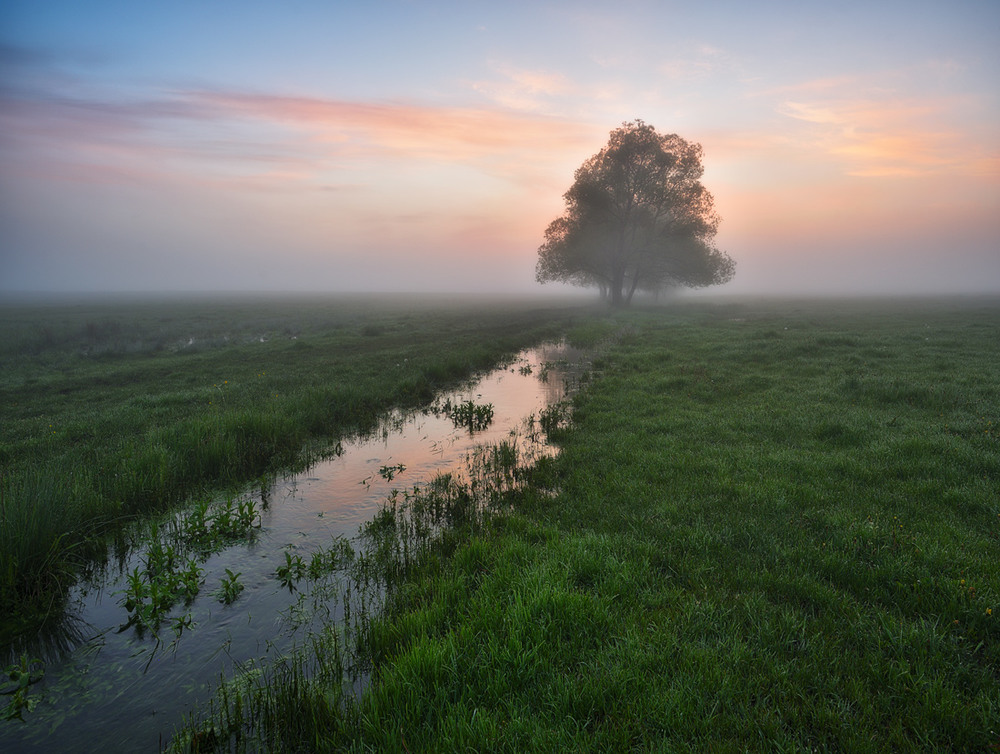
(119, 690)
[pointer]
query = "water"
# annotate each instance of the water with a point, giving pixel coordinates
(116, 690)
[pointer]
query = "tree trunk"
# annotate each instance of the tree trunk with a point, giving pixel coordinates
(631, 290)
(617, 285)
(618, 268)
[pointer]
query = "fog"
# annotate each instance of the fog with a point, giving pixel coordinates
(844, 274)
(106, 259)
(938, 269)
(143, 239)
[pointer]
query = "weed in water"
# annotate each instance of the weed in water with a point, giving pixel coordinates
(554, 418)
(182, 623)
(230, 588)
(410, 534)
(22, 675)
(171, 560)
(469, 414)
(292, 571)
(388, 473)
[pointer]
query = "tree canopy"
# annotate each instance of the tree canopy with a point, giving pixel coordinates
(636, 218)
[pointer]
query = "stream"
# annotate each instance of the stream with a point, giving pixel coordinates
(124, 690)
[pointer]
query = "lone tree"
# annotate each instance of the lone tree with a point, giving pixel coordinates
(637, 218)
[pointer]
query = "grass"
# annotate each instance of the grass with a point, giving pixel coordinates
(772, 526)
(775, 528)
(116, 410)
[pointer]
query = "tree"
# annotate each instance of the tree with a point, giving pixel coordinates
(636, 218)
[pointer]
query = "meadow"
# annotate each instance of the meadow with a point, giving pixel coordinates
(771, 525)
(118, 409)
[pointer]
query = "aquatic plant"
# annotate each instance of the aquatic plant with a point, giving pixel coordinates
(470, 414)
(181, 623)
(554, 417)
(327, 560)
(230, 589)
(306, 696)
(22, 675)
(292, 571)
(152, 591)
(388, 473)
(171, 554)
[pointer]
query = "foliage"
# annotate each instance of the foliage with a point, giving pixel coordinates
(171, 571)
(469, 414)
(637, 218)
(554, 419)
(292, 571)
(22, 675)
(230, 589)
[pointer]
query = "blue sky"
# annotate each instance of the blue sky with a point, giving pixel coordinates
(851, 147)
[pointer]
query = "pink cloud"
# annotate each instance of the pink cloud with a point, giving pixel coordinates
(891, 137)
(420, 131)
(527, 82)
(261, 140)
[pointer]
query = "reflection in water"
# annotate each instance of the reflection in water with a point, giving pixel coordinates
(120, 691)
(61, 633)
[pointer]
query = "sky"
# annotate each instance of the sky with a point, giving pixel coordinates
(223, 145)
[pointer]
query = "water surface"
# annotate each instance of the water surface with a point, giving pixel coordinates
(118, 691)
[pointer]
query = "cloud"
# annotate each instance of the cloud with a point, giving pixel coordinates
(687, 70)
(525, 89)
(813, 87)
(703, 61)
(892, 136)
(419, 130)
(162, 139)
(924, 119)
(261, 139)
(703, 67)
(522, 149)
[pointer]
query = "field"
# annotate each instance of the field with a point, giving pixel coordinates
(772, 525)
(113, 410)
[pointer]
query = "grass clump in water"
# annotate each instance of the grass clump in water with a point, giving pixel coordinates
(171, 556)
(474, 416)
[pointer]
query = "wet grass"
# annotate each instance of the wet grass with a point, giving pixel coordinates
(117, 410)
(771, 527)
(307, 698)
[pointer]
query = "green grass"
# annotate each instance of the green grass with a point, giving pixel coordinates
(776, 528)
(771, 526)
(113, 410)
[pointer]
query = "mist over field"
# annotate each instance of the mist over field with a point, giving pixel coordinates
(425, 147)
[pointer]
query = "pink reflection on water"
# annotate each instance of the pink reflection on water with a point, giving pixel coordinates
(154, 686)
(338, 495)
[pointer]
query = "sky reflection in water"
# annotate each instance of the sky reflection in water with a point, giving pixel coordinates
(123, 692)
